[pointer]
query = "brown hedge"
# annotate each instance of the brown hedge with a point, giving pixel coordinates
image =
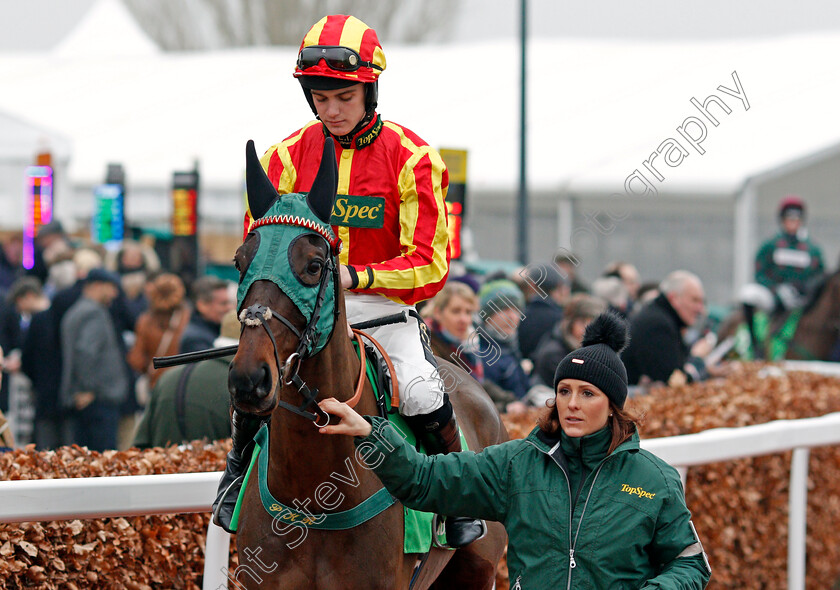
(740, 507)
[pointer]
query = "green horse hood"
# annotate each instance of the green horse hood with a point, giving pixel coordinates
(280, 221)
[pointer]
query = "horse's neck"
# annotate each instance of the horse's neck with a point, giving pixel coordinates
(817, 330)
(302, 458)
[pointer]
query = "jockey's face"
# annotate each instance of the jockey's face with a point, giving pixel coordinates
(340, 110)
(791, 224)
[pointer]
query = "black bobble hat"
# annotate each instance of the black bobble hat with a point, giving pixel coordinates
(597, 361)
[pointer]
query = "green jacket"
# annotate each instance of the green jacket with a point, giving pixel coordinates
(626, 530)
(205, 407)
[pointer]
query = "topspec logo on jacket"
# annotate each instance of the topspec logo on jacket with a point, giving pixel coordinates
(358, 211)
(636, 491)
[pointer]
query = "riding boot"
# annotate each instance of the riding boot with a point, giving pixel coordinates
(243, 429)
(439, 431)
(749, 317)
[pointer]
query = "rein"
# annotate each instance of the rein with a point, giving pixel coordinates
(258, 315)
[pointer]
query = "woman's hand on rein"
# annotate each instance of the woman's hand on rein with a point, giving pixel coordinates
(352, 424)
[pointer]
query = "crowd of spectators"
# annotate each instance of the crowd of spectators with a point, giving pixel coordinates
(81, 328)
(79, 331)
(510, 330)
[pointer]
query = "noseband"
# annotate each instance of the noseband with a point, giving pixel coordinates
(257, 314)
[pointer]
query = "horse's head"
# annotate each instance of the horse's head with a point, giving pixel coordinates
(288, 282)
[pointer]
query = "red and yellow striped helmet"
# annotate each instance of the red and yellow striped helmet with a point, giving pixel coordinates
(341, 47)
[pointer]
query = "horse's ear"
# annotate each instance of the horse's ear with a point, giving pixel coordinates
(322, 195)
(261, 193)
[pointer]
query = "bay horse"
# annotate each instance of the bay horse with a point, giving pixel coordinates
(817, 330)
(292, 308)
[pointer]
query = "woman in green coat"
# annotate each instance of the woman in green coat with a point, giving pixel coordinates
(583, 505)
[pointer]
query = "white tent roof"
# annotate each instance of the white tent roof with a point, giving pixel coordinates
(21, 141)
(597, 108)
(106, 29)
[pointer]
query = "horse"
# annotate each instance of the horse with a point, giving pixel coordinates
(319, 473)
(817, 330)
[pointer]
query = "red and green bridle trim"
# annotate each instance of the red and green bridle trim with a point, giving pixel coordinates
(324, 231)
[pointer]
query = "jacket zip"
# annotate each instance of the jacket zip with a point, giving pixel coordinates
(572, 563)
(572, 543)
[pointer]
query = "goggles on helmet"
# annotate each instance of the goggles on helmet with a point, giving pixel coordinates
(342, 59)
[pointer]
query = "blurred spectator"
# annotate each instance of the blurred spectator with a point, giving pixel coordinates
(647, 293)
(11, 261)
(568, 264)
(51, 237)
(211, 301)
(24, 299)
(61, 270)
(42, 356)
(629, 275)
(451, 328)
(657, 351)
(613, 291)
(4, 383)
(504, 378)
(158, 330)
(458, 272)
(135, 263)
(7, 441)
(93, 383)
(191, 401)
(549, 290)
(84, 260)
(580, 309)
(41, 362)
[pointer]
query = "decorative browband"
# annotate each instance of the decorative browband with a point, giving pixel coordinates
(332, 240)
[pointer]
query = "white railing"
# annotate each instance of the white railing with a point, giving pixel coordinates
(137, 495)
(129, 495)
(721, 444)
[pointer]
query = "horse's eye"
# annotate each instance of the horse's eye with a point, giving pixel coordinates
(314, 267)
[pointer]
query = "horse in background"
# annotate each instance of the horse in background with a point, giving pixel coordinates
(816, 333)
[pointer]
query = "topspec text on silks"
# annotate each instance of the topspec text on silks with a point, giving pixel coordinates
(671, 152)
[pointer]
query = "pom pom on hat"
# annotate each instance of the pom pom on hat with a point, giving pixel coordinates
(597, 361)
(607, 328)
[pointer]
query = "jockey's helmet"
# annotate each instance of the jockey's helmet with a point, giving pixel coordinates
(791, 206)
(337, 52)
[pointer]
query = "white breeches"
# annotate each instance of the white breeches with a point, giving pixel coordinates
(421, 389)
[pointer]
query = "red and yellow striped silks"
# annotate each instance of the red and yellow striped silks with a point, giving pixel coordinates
(407, 258)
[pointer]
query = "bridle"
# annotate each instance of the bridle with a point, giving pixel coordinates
(257, 314)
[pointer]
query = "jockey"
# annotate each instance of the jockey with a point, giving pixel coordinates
(784, 266)
(391, 218)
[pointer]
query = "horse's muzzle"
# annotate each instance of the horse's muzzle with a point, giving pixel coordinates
(251, 390)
